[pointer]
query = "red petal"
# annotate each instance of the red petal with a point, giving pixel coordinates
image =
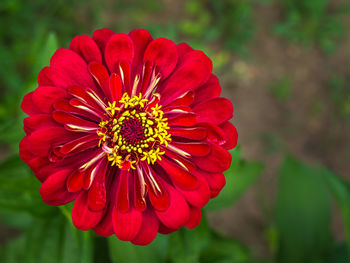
(139, 190)
(197, 54)
(119, 47)
(92, 165)
(80, 144)
(84, 218)
(181, 177)
(44, 167)
(217, 161)
(141, 38)
(182, 49)
(162, 52)
(187, 77)
(231, 135)
(165, 230)
(195, 218)
(73, 65)
(74, 122)
(97, 193)
(193, 148)
(122, 195)
(215, 182)
(101, 37)
(216, 111)
(179, 159)
(77, 107)
(127, 225)
(54, 192)
(45, 96)
(215, 134)
(186, 120)
(28, 106)
(87, 97)
(38, 121)
(146, 76)
(85, 110)
(148, 230)
(86, 48)
(159, 199)
(171, 112)
(79, 159)
(185, 99)
(53, 77)
(178, 211)
(198, 197)
(115, 87)
(24, 152)
(124, 72)
(105, 227)
(37, 164)
(75, 181)
(41, 141)
(211, 89)
(100, 74)
(197, 134)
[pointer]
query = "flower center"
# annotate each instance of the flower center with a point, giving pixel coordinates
(134, 132)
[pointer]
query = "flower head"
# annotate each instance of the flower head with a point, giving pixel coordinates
(131, 128)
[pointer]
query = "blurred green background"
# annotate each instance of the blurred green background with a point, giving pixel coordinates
(286, 67)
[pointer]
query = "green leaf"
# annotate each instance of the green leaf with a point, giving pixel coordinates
(340, 191)
(11, 130)
(238, 178)
(46, 52)
(224, 250)
(126, 252)
(185, 245)
(20, 189)
(204, 245)
(339, 254)
(13, 251)
(77, 245)
(50, 240)
(16, 219)
(303, 214)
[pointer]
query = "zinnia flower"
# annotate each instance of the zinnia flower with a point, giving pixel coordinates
(133, 129)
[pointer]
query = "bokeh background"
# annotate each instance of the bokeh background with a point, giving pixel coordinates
(285, 64)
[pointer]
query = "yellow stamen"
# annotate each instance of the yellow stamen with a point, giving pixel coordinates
(134, 110)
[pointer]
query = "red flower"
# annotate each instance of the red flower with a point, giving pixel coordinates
(132, 129)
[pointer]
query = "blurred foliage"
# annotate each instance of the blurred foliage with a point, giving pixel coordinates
(281, 89)
(24, 198)
(202, 22)
(49, 240)
(340, 94)
(312, 22)
(273, 143)
(340, 191)
(125, 252)
(228, 20)
(302, 214)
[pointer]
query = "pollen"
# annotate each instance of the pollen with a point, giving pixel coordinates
(134, 132)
